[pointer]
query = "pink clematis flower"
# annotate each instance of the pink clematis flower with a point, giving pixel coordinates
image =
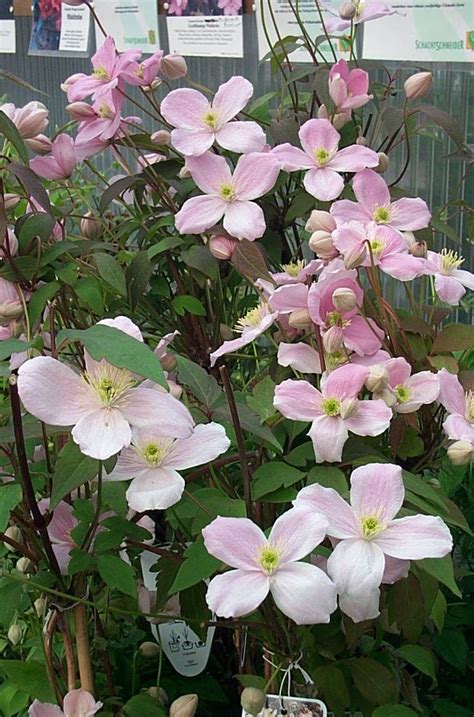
(11, 307)
(60, 527)
(450, 281)
(143, 73)
(30, 120)
(459, 425)
(333, 411)
(77, 703)
(103, 404)
(62, 161)
(301, 590)
(154, 462)
(229, 196)
(177, 7)
(320, 155)
(374, 204)
(251, 326)
(369, 533)
(388, 249)
(365, 10)
(300, 357)
(297, 272)
(200, 123)
(348, 88)
(406, 393)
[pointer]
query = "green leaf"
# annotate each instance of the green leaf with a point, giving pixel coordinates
(271, 476)
(188, 304)
(249, 260)
(444, 120)
(117, 574)
(72, 470)
(9, 130)
(38, 225)
(438, 611)
(111, 272)
(248, 420)
(138, 276)
(251, 681)
(419, 657)
(10, 599)
(197, 566)
(203, 386)
(442, 570)
(406, 606)
(31, 183)
(261, 400)
(451, 646)
(446, 708)
(30, 677)
(332, 683)
(10, 496)
(374, 681)
(394, 711)
(329, 478)
(115, 190)
(140, 705)
(200, 258)
(12, 346)
(40, 298)
(455, 337)
(119, 349)
(89, 291)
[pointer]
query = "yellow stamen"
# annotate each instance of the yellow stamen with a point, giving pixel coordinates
(371, 526)
(269, 559)
(381, 215)
(227, 192)
(294, 268)
(450, 261)
(402, 393)
(109, 383)
(210, 118)
(252, 318)
(322, 156)
(100, 73)
(331, 406)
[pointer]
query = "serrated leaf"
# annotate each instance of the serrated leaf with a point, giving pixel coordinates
(10, 495)
(419, 657)
(455, 337)
(111, 272)
(117, 574)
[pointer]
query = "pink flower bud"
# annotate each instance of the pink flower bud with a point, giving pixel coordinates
(39, 144)
(323, 246)
(384, 161)
(361, 141)
(347, 11)
(11, 200)
(162, 136)
(377, 380)
(14, 634)
(30, 120)
(68, 83)
(333, 339)
(418, 85)
(323, 113)
(9, 311)
(90, 226)
(184, 706)
(300, 319)
(320, 220)
(184, 173)
(81, 111)
(341, 118)
(348, 407)
(253, 700)
(355, 257)
(344, 299)
(221, 246)
(173, 67)
(9, 247)
(419, 249)
(461, 452)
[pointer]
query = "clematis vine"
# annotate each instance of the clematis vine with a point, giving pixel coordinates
(302, 591)
(228, 196)
(199, 123)
(334, 410)
(459, 424)
(368, 533)
(321, 156)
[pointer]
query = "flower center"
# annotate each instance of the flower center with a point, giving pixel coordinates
(402, 393)
(252, 318)
(321, 156)
(153, 453)
(450, 261)
(376, 246)
(210, 119)
(109, 383)
(100, 73)
(227, 192)
(294, 268)
(331, 406)
(106, 112)
(140, 71)
(381, 215)
(269, 559)
(371, 526)
(469, 414)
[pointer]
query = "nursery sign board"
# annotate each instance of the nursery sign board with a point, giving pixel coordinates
(292, 707)
(59, 28)
(132, 23)
(217, 33)
(7, 28)
(425, 31)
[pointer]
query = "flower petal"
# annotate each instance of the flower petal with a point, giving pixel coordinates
(102, 434)
(449, 289)
(360, 605)
(319, 134)
(292, 158)
(210, 171)
(80, 703)
(424, 389)
(297, 532)
(363, 336)
(192, 142)
(228, 347)
(416, 537)
(237, 593)
(395, 570)
(44, 709)
(371, 190)
(185, 108)
(304, 593)
(231, 98)
(244, 220)
(198, 214)
(345, 211)
(207, 441)
(236, 541)
(354, 159)
(346, 381)
(457, 428)
(356, 566)
(298, 400)
(242, 137)
(328, 502)
(370, 419)
(147, 407)
(61, 524)
(377, 490)
(402, 266)
(323, 183)
(451, 394)
(155, 489)
(329, 435)
(300, 357)
(255, 175)
(410, 214)
(289, 298)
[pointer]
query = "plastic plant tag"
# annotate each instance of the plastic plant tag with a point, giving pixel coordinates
(292, 707)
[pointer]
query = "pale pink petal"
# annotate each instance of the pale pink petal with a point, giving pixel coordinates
(255, 175)
(289, 298)
(237, 593)
(53, 392)
(376, 358)
(328, 502)
(300, 357)
(416, 537)
(47, 167)
(402, 266)
(292, 158)
(61, 551)
(395, 570)
(358, 82)
(451, 394)
(345, 211)
(399, 371)
(304, 593)
(371, 418)
(192, 142)
(44, 709)
(323, 183)
(363, 336)
(64, 154)
(298, 400)
(465, 277)
(346, 381)
(457, 428)
(146, 407)
(242, 137)
(231, 98)
(80, 703)
(371, 190)
(449, 289)
(423, 387)
(102, 434)
(185, 108)
(155, 489)
(238, 542)
(356, 566)
(329, 435)
(199, 213)
(229, 347)
(297, 532)
(319, 134)
(337, 88)
(123, 323)
(129, 465)
(210, 172)
(377, 491)
(410, 214)
(360, 605)
(244, 220)
(354, 159)
(206, 443)
(61, 524)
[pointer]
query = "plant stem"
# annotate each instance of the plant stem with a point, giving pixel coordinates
(83, 647)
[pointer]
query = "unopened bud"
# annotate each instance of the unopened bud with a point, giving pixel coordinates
(154, 85)
(434, 482)
(161, 137)
(159, 695)
(361, 141)
(184, 173)
(300, 319)
(323, 245)
(253, 701)
(149, 649)
(410, 239)
(348, 407)
(377, 380)
(40, 606)
(69, 81)
(347, 11)
(168, 362)
(90, 226)
(388, 396)
(341, 118)
(419, 249)
(81, 111)
(9, 311)
(418, 85)
(323, 112)
(333, 340)
(24, 565)
(221, 246)
(11, 200)
(320, 220)
(13, 532)
(14, 634)
(176, 391)
(40, 144)
(184, 706)
(384, 161)
(173, 67)
(355, 257)
(344, 299)
(461, 452)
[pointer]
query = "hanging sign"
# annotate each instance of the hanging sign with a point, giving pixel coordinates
(132, 23)
(211, 29)
(292, 707)
(7, 28)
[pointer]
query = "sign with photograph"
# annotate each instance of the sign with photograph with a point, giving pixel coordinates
(59, 28)
(132, 23)
(205, 28)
